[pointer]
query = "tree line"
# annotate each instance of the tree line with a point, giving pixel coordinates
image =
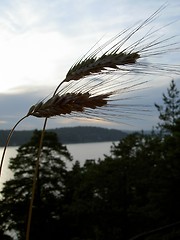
(132, 193)
(67, 135)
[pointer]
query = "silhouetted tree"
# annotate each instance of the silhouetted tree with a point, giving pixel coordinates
(49, 190)
(169, 113)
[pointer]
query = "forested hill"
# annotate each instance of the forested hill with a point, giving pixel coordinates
(67, 135)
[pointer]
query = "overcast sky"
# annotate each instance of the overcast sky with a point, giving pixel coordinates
(40, 40)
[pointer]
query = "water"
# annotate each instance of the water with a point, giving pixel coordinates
(6, 173)
(80, 152)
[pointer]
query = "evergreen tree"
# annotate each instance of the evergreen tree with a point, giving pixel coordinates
(107, 199)
(49, 189)
(169, 113)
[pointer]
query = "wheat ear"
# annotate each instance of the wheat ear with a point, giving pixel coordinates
(114, 53)
(68, 103)
(94, 65)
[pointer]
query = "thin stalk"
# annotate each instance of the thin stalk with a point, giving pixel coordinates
(36, 173)
(160, 229)
(34, 181)
(8, 140)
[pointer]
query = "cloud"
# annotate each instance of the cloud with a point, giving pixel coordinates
(40, 40)
(20, 16)
(31, 59)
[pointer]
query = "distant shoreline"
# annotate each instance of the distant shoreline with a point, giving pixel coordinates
(68, 135)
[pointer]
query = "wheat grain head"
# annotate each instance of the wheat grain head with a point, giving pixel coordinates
(67, 103)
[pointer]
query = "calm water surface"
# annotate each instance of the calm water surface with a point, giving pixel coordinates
(80, 152)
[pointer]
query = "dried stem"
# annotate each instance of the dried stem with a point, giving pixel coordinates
(34, 182)
(8, 140)
(156, 230)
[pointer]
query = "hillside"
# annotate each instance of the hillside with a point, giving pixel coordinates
(68, 135)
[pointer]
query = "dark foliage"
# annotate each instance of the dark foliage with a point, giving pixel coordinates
(169, 113)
